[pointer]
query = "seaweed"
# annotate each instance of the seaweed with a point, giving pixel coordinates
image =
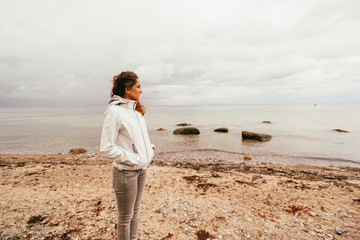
(203, 235)
(170, 235)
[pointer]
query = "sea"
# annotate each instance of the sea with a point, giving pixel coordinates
(301, 133)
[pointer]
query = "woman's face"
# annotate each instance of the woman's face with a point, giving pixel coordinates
(134, 92)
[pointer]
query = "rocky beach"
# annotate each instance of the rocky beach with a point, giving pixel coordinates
(67, 196)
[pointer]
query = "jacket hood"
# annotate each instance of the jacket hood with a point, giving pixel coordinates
(117, 100)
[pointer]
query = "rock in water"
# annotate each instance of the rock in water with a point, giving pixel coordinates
(77, 150)
(256, 136)
(223, 130)
(340, 130)
(183, 124)
(187, 131)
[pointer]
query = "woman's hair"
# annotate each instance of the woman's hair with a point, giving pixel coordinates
(123, 81)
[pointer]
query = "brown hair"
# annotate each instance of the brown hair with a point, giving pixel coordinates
(123, 81)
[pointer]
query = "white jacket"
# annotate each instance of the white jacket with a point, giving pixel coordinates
(124, 137)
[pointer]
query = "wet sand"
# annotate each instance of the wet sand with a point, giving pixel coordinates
(63, 196)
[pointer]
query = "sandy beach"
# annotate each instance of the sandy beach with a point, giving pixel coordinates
(64, 196)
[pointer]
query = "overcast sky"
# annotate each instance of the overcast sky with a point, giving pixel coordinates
(65, 52)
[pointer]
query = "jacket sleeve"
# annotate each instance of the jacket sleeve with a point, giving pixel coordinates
(109, 135)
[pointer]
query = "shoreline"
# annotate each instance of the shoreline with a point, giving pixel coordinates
(238, 157)
(68, 196)
(228, 156)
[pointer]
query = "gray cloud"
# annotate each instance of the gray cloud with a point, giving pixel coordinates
(185, 52)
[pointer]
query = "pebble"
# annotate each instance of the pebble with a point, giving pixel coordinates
(347, 215)
(312, 214)
(247, 157)
(339, 230)
(350, 224)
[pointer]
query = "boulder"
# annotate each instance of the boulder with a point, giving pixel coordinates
(266, 121)
(223, 130)
(187, 131)
(160, 129)
(183, 124)
(340, 130)
(77, 150)
(255, 136)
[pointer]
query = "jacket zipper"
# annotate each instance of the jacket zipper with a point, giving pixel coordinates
(142, 133)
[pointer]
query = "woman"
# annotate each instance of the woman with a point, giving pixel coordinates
(125, 140)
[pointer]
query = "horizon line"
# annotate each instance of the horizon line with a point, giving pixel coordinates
(204, 104)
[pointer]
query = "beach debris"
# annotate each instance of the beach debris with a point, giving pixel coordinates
(202, 183)
(266, 121)
(219, 218)
(183, 124)
(293, 209)
(222, 130)
(160, 129)
(77, 150)
(340, 130)
(192, 178)
(170, 235)
(256, 177)
(68, 232)
(98, 208)
(215, 175)
(206, 186)
(204, 235)
(339, 230)
(247, 183)
(186, 131)
(255, 136)
(35, 219)
(247, 157)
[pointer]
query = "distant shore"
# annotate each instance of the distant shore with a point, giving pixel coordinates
(68, 196)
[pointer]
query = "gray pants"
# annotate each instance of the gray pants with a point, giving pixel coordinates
(128, 187)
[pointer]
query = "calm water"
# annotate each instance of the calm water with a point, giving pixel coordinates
(302, 133)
